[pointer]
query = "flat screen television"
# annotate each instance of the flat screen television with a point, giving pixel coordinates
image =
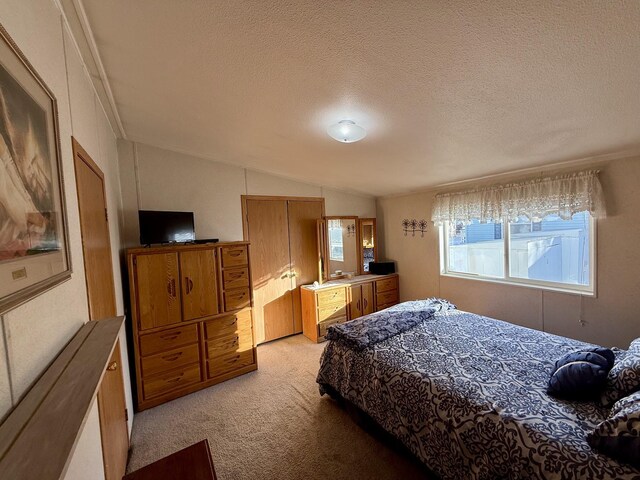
(165, 227)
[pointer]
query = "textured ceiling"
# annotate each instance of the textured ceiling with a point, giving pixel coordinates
(447, 90)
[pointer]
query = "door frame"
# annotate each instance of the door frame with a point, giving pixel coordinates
(81, 155)
(276, 198)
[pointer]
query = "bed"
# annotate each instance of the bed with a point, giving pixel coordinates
(467, 394)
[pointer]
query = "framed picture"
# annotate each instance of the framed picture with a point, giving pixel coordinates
(34, 247)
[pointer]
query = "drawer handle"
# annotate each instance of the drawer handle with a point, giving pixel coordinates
(171, 358)
(235, 253)
(365, 303)
(177, 379)
(234, 342)
(170, 336)
(236, 275)
(234, 359)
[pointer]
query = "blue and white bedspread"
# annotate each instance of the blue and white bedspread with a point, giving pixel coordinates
(366, 331)
(467, 395)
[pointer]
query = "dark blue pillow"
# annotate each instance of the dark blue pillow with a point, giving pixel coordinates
(581, 375)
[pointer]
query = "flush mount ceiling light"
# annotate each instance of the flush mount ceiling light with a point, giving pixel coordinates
(346, 131)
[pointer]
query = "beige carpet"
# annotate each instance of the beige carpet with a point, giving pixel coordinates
(271, 424)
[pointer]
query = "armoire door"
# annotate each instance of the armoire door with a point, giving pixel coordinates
(158, 290)
(198, 284)
(303, 216)
(268, 231)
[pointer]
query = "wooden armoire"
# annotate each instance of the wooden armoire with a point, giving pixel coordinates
(191, 312)
(284, 256)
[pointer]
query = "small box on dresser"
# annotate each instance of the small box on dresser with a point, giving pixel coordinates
(191, 309)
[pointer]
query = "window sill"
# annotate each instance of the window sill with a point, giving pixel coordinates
(513, 283)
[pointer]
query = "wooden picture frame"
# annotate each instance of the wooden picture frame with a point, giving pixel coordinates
(34, 243)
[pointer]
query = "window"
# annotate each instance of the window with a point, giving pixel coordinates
(477, 249)
(552, 253)
(336, 251)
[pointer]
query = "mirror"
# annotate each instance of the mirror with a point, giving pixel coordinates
(368, 239)
(338, 247)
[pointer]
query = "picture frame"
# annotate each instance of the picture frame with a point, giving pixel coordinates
(34, 238)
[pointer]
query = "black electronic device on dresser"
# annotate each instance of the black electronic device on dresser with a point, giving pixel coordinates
(382, 268)
(166, 227)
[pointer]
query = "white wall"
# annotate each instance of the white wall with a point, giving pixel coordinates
(83, 464)
(609, 319)
(156, 179)
(34, 333)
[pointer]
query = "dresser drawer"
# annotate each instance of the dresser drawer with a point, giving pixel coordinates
(236, 299)
(330, 312)
(228, 363)
(386, 284)
(338, 295)
(236, 343)
(387, 297)
(161, 362)
(235, 278)
(234, 256)
(159, 384)
(168, 339)
(229, 325)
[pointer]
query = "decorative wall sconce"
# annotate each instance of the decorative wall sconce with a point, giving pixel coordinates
(413, 226)
(351, 230)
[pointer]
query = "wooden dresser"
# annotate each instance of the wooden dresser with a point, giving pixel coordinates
(191, 316)
(340, 300)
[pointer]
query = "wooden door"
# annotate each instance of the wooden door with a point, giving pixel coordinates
(113, 418)
(355, 306)
(96, 242)
(198, 284)
(98, 269)
(302, 216)
(157, 289)
(266, 227)
(367, 298)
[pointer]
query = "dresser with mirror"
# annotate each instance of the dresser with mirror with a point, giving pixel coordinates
(346, 290)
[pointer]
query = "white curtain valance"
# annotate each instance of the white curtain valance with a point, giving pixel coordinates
(562, 195)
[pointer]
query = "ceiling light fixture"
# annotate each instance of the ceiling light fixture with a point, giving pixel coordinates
(346, 131)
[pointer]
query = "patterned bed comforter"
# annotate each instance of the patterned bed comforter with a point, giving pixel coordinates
(467, 395)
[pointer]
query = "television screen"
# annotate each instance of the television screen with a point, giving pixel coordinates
(165, 227)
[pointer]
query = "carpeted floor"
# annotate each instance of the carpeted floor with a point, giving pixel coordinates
(271, 424)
